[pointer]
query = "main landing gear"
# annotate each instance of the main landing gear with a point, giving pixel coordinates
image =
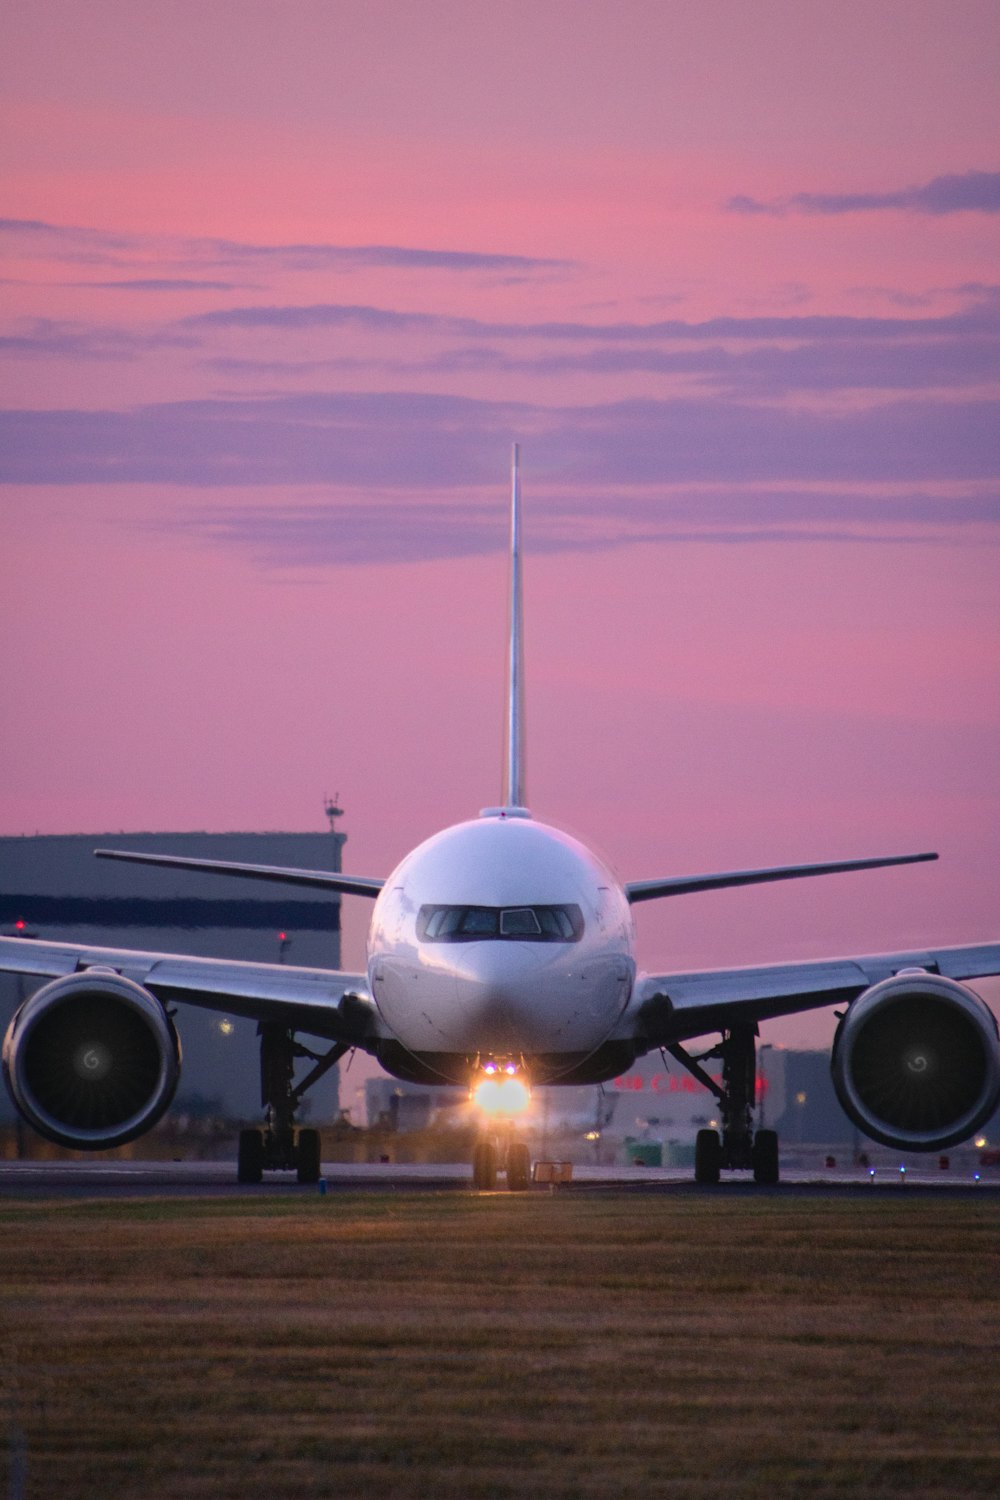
(498, 1153)
(739, 1147)
(280, 1146)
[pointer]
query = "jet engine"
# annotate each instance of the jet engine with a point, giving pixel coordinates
(916, 1062)
(91, 1060)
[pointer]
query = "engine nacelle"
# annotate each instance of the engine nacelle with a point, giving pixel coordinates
(91, 1060)
(916, 1062)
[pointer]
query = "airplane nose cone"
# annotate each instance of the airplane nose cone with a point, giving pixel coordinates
(509, 1000)
(491, 996)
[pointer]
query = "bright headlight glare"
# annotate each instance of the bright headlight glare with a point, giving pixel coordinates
(502, 1096)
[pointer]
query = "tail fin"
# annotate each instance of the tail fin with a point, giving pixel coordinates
(513, 763)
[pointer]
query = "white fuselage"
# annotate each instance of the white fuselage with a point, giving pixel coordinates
(501, 938)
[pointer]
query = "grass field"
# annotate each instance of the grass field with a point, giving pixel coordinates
(462, 1346)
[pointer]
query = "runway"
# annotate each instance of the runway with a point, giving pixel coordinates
(22, 1180)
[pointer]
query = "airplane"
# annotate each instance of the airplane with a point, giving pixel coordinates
(501, 956)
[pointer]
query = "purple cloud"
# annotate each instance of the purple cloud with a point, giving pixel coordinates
(416, 441)
(966, 192)
(44, 338)
(730, 358)
(384, 530)
(74, 242)
(983, 317)
(892, 364)
(162, 284)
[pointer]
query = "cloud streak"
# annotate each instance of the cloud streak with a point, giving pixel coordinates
(162, 284)
(983, 316)
(895, 364)
(95, 246)
(46, 338)
(953, 193)
(387, 530)
(419, 441)
(752, 357)
(749, 358)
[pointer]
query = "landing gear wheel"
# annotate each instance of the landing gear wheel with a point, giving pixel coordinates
(484, 1166)
(250, 1160)
(707, 1156)
(518, 1167)
(308, 1163)
(765, 1156)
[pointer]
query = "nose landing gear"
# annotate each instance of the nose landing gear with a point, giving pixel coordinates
(500, 1089)
(501, 1153)
(484, 1166)
(518, 1166)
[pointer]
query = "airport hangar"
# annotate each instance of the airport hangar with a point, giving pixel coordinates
(54, 886)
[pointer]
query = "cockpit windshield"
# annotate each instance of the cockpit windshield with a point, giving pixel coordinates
(522, 924)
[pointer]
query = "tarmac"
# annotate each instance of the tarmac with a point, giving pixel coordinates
(26, 1180)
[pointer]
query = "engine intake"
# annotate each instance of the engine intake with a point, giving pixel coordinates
(916, 1062)
(91, 1060)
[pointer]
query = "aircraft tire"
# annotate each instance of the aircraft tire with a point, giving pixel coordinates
(484, 1166)
(764, 1156)
(308, 1156)
(707, 1156)
(250, 1158)
(518, 1167)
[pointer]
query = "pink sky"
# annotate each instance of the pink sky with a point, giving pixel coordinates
(282, 282)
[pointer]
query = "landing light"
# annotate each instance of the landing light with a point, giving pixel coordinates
(502, 1097)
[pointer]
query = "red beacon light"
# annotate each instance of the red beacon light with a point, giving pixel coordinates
(19, 925)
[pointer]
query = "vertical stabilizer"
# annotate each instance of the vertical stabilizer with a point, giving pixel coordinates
(513, 761)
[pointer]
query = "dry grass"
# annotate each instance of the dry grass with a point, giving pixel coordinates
(455, 1346)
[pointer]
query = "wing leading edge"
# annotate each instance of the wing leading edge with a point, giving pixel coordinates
(323, 1002)
(683, 885)
(350, 885)
(669, 1008)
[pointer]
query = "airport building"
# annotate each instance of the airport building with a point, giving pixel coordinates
(52, 887)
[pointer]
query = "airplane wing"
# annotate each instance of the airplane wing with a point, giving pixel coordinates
(668, 1008)
(683, 885)
(327, 880)
(323, 1002)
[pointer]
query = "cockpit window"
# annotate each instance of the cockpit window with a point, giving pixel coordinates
(522, 924)
(519, 921)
